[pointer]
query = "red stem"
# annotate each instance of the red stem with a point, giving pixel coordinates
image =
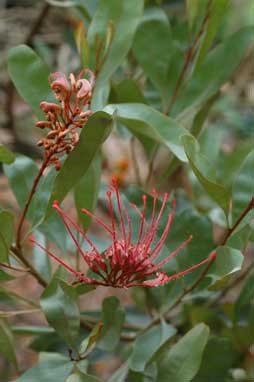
(29, 199)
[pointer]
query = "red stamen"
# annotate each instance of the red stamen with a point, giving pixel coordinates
(64, 218)
(170, 256)
(154, 226)
(209, 258)
(119, 203)
(112, 220)
(160, 243)
(60, 261)
(98, 220)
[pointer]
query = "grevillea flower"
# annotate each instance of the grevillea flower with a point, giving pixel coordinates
(126, 263)
(63, 120)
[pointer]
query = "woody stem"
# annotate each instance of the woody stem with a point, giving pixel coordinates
(28, 201)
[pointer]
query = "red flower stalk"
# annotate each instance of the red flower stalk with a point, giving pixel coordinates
(126, 264)
(63, 120)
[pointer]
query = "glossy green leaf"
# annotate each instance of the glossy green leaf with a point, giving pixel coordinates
(6, 234)
(228, 261)
(205, 173)
(112, 318)
(217, 13)
(155, 61)
(148, 343)
(78, 161)
(86, 191)
(30, 76)
(146, 121)
(218, 66)
(127, 91)
(21, 175)
(217, 360)
(51, 367)
(58, 302)
(123, 17)
(6, 156)
(182, 361)
(7, 347)
(243, 187)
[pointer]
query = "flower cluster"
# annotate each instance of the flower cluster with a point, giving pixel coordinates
(126, 264)
(65, 118)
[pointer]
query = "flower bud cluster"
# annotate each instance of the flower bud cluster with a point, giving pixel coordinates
(64, 119)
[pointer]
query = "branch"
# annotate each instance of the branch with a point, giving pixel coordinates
(17, 252)
(28, 201)
(188, 58)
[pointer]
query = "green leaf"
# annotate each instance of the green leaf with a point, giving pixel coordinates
(217, 13)
(228, 261)
(245, 297)
(144, 120)
(127, 91)
(7, 347)
(6, 234)
(155, 61)
(5, 276)
(91, 138)
(112, 318)
(21, 175)
(148, 343)
(30, 76)
(88, 342)
(83, 378)
(243, 187)
(123, 17)
(58, 302)
(182, 361)
(31, 330)
(51, 367)
(218, 66)
(6, 156)
(120, 374)
(205, 173)
(41, 260)
(192, 10)
(217, 360)
(82, 44)
(86, 191)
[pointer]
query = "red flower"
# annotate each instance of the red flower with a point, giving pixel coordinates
(126, 264)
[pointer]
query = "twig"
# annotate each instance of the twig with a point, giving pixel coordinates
(188, 58)
(231, 285)
(32, 270)
(27, 204)
(14, 268)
